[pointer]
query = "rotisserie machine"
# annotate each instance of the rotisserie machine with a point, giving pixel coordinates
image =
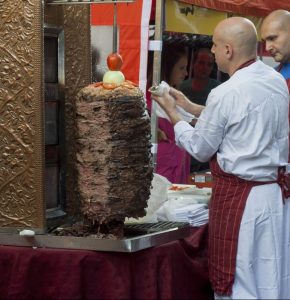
(45, 54)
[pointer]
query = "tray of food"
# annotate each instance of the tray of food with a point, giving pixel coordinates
(182, 188)
(189, 192)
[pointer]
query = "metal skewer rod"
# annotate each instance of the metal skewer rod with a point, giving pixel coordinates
(115, 30)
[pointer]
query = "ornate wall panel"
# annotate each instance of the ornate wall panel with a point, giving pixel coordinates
(77, 76)
(21, 115)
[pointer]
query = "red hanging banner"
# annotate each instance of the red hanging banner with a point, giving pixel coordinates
(259, 8)
(133, 23)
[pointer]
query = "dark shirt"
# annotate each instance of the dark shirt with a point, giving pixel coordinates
(198, 97)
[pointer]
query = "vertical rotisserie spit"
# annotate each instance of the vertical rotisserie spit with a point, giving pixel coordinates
(113, 154)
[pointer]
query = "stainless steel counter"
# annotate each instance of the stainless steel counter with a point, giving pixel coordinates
(138, 237)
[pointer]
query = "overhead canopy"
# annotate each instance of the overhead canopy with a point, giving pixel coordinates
(259, 8)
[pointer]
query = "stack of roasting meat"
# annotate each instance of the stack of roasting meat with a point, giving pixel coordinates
(113, 157)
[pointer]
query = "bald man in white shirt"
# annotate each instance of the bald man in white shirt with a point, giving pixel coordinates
(243, 131)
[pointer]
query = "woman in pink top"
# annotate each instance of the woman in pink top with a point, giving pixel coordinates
(172, 161)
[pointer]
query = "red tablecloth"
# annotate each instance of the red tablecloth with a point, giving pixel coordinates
(176, 270)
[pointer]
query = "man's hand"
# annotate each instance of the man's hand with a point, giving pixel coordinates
(167, 102)
(180, 98)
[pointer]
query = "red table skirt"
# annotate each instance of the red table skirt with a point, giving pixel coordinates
(176, 270)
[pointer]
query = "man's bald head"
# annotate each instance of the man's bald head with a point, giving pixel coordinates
(275, 31)
(240, 33)
(280, 17)
(238, 38)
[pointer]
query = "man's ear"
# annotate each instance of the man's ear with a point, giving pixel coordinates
(229, 51)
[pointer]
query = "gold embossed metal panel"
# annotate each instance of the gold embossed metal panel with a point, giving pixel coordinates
(21, 106)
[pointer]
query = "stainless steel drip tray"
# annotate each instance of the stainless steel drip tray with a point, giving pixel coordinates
(138, 237)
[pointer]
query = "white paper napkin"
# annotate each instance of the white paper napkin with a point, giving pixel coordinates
(158, 91)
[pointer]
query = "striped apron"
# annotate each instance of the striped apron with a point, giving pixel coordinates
(226, 209)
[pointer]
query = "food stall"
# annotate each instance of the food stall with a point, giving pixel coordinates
(32, 268)
(43, 67)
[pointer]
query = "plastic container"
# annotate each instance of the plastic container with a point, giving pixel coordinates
(201, 180)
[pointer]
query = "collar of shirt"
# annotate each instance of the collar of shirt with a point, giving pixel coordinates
(246, 64)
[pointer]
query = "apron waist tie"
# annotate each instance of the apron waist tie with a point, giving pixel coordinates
(284, 182)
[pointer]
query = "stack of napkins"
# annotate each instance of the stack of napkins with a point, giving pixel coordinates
(196, 214)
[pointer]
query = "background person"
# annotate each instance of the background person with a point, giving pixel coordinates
(173, 162)
(198, 88)
(275, 31)
(242, 130)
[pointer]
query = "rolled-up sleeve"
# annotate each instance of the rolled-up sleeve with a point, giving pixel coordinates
(203, 141)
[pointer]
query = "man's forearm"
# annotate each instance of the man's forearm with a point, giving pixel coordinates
(194, 109)
(174, 116)
(185, 103)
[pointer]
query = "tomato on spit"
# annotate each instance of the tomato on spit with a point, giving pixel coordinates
(114, 61)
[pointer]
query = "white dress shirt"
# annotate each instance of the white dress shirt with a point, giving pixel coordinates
(245, 122)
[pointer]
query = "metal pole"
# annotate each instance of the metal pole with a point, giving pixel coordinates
(156, 76)
(115, 30)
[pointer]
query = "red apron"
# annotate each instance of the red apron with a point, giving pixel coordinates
(226, 209)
